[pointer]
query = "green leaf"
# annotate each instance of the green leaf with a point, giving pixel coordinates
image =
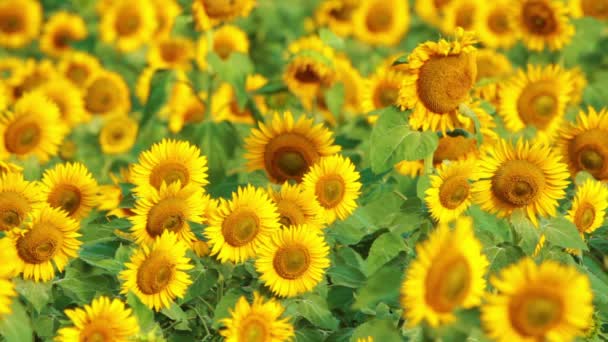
(16, 326)
(345, 275)
(501, 256)
(423, 183)
(529, 235)
(159, 90)
(380, 287)
(387, 138)
(228, 301)
(329, 38)
(144, 315)
(102, 255)
(315, 310)
(561, 232)
(203, 280)
(386, 247)
(175, 313)
(271, 88)
(37, 294)
(218, 141)
(379, 329)
(401, 60)
(334, 98)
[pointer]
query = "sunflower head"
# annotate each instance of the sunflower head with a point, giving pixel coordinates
(185, 107)
(381, 22)
(459, 13)
(542, 23)
(20, 22)
(589, 8)
(118, 134)
(382, 89)
(79, 68)
(450, 192)
(166, 11)
(228, 39)
(128, 24)
(225, 105)
(589, 206)
(107, 93)
(171, 53)
(18, 198)
(209, 13)
(68, 99)
(337, 15)
(494, 25)
(492, 69)
(297, 207)
(61, 30)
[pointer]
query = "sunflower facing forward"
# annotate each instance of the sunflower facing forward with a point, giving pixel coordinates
(449, 194)
(156, 274)
(61, 30)
(107, 93)
(546, 302)
(19, 22)
(542, 23)
(589, 206)
(18, 198)
(297, 207)
(445, 276)
(210, 13)
(526, 176)
(381, 22)
(128, 24)
(493, 24)
(104, 319)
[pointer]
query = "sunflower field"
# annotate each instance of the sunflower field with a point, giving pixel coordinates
(303, 170)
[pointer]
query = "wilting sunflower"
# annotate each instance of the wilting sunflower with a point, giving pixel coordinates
(493, 68)
(209, 13)
(445, 276)
(166, 11)
(79, 68)
(49, 238)
(170, 161)
(449, 194)
(337, 15)
(259, 321)
(589, 206)
(440, 79)
(589, 8)
(33, 128)
(335, 183)
(584, 145)
(546, 302)
(536, 97)
(493, 25)
(104, 319)
(70, 187)
(430, 11)
(459, 13)
(286, 149)
(410, 168)
(18, 198)
(171, 53)
(128, 24)
(381, 22)
(107, 93)
(172, 208)
(185, 107)
(382, 90)
(157, 274)
(118, 134)
(238, 226)
(293, 260)
(226, 107)
(61, 30)
(297, 207)
(68, 99)
(531, 177)
(541, 23)
(19, 22)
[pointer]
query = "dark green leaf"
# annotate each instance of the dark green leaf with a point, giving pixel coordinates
(228, 301)
(159, 90)
(385, 248)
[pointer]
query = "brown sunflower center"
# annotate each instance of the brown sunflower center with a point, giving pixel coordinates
(454, 191)
(595, 8)
(538, 17)
(453, 148)
(498, 22)
(518, 182)
(254, 329)
(77, 73)
(289, 156)
(168, 214)
(11, 22)
(448, 282)
(39, 244)
(290, 213)
(291, 262)
(440, 3)
(13, 208)
(330, 191)
(343, 12)
(445, 81)
(170, 52)
(240, 112)
(155, 273)
(537, 105)
(464, 16)
(223, 47)
(533, 313)
(386, 95)
(584, 217)
(66, 197)
(62, 39)
(240, 228)
(221, 8)
(95, 332)
(169, 172)
(22, 135)
(379, 18)
(195, 112)
(589, 152)
(101, 96)
(127, 21)
(307, 74)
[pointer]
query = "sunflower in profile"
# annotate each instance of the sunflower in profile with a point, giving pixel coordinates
(287, 148)
(166, 12)
(537, 97)
(531, 177)
(493, 25)
(380, 22)
(238, 225)
(382, 90)
(459, 13)
(68, 99)
(33, 128)
(127, 24)
(170, 161)
(185, 107)
(335, 184)
(258, 321)
(210, 13)
(61, 30)
(297, 207)
(493, 68)
(410, 168)
(589, 206)
(20, 22)
(546, 302)
(49, 238)
(169, 209)
(597, 9)
(445, 276)
(104, 319)
(157, 274)
(171, 53)
(293, 260)
(336, 15)
(226, 107)
(107, 93)
(584, 144)
(441, 75)
(70, 187)
(450, 192)
(18, 198)
(542, 23)
(79, 68)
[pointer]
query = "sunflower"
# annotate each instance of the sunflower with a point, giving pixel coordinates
(12, 72)
(542, 23)
(8, 167)
(493, 25)
(337, 15)
(170, 161)
(70, 187)
(597, 9)
(259, 321)
(49, 238)
(286, 149)
(18, 198)
(354, 85)
(382, 90)
(238, 226)
(524, 176)
(297, 207)
(445, 276)
(33, 128)
(493, 68)
(33, 74)
(227, 40)
(60, 31)
(578, 80)
(7, 270)
(439, 79)
(107, 93)
(459, 13)
(157, 274)
(209, 13)
(20, 22)
(449, 194)
(68, 99)
(380, 22)
(225, 105)
(169, 209)
(431, 11)
(537, 97)
(128, 24)
(410, 168)
(118, 134)
(171, 53)
(104, 319)
(589, 206)
(335, 183)
(584, 144)
(546, 302)
(79, 68)
(293, 260)
(166, 12)
(185, 107)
